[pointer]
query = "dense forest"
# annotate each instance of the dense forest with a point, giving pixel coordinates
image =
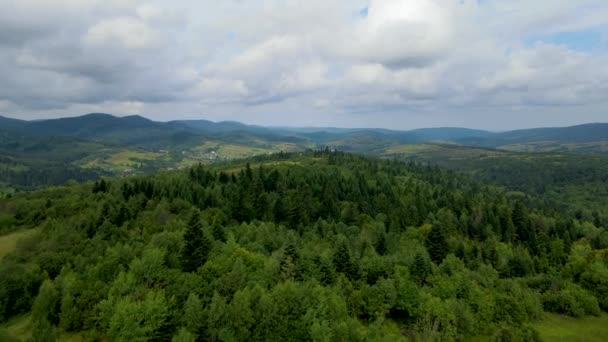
(319, 246)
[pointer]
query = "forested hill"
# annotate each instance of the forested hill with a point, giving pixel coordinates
(313, 247)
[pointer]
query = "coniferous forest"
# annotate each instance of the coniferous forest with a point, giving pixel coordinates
(318, 246)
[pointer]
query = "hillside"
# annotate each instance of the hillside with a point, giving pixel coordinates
(51, 152)
(577, 182)
(296, 247)
(572, 136)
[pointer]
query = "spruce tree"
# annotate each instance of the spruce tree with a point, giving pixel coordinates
(218, 233)
(436, 244)
(343, 262)
(327, 273)
(289, 267)
(196, 245)
(421, 269)
(381, 245)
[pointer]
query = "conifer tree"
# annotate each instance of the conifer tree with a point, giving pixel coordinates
(196, 245)
(343, 262)
(218, 233)
(420, 269)
(381, 245)
(436, 244)
(289, 269)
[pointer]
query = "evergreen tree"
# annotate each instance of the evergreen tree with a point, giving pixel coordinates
(327, 273)
(289, 268)
(436, 244)
(421, 269)
(520, 221)
(196, 245)
(381, 245)
(218, 233)
(343, 261)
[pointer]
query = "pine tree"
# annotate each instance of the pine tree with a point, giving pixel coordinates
(381, 245)
(218, 233)
(421, 269)
(343, 262)
(436, 244)
(520, 222)
(327, 273)
(196, 245)
(289, 268)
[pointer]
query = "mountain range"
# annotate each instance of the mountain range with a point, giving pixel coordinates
(139, 131)
(44, 152)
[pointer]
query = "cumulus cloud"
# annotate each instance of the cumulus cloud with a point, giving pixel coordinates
(360, 62)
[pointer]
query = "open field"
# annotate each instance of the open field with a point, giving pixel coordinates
(20, 329)
(567, 329)
(552, 146)
(430, 152)
(8, 242)
(122, 160)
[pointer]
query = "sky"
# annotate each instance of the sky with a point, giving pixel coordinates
(401, 64)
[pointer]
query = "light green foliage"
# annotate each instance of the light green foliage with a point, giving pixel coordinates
(46, 303)
(194, 314)
(183, 335)
(555, 327)
(139, 320)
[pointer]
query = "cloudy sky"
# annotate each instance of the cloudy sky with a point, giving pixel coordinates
(492, 64)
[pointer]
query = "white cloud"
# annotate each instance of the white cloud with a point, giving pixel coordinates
(131, 32)
(415, 58)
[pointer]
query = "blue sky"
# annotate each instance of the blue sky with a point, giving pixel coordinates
(489, 64)
(591, 40)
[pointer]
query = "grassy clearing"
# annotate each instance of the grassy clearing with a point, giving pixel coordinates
(567, 329)
(19, 328)
(411, 148)
(119, 161)
(8, 242)
(230, 151)
(551, 146)
(5, 191)
(437, 152)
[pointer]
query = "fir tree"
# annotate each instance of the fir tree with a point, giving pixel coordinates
(327, 272)
(196, 245)
(343, 262)
(421, 269)
(381, 245)
(218, 233)
(289, 268)
(436, 244)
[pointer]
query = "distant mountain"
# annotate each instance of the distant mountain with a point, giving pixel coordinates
(11, 124)
(105, 128)
(142, 132)
(574, 134)
(449, 133)
(206, 126)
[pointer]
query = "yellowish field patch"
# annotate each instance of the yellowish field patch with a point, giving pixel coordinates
(411, 148)
(8, 242)
(567, 329)
(122, 160)
(20, 328)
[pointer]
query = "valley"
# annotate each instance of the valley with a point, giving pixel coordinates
(347, 233)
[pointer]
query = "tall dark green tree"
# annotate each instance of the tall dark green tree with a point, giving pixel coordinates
(218, 233)
(436, 244)
(381, 245)
(343, 261)
(421, 269)
(196, 245)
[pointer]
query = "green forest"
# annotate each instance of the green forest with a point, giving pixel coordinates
(315, 246)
